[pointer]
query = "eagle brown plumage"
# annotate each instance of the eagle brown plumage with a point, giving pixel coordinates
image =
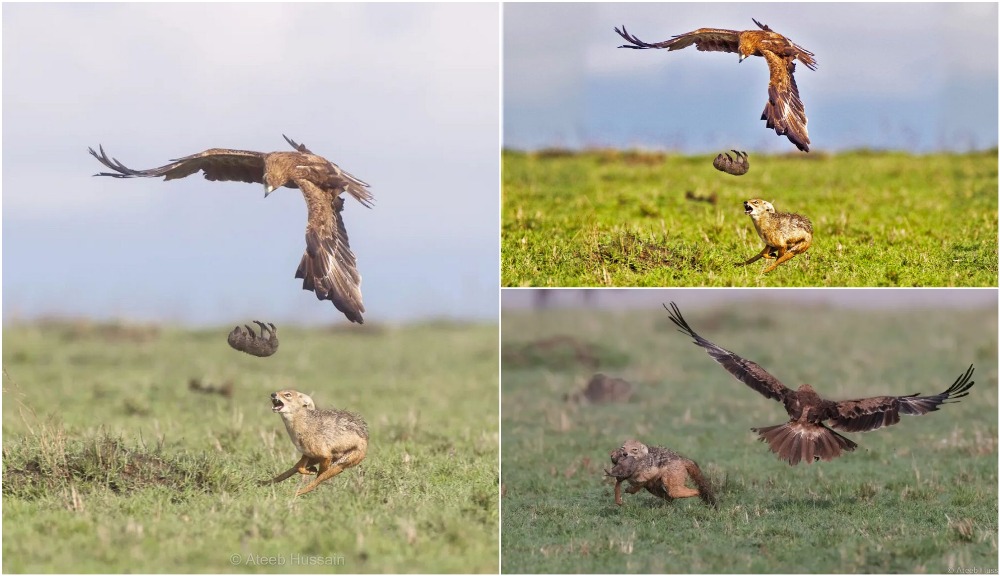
(805, 437)
(328, 266)
(784, 111)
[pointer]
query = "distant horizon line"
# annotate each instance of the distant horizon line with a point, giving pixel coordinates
(570, 150)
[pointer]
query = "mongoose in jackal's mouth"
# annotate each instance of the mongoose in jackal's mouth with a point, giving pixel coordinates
(661, 471)
(784, 234)
(329, 440)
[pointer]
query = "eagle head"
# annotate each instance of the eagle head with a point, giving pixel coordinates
(278, 170)
(272, 182)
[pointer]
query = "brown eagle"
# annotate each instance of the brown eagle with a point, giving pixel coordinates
(784, 111)
(805, 438)
(328, 266)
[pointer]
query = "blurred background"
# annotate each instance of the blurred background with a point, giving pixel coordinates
(914, 76)
(517, 300)
(383, 90)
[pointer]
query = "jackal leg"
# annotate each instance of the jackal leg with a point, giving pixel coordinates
(785, 255)
(310, 467)
(299, 467)
(328, 469)
(674, 484)
(765, 253)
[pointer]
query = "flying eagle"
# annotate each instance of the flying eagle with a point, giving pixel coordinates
(805, 437)
(784, 111)
(328, 266)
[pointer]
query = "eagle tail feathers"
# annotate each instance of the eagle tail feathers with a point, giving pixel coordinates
(794, 442)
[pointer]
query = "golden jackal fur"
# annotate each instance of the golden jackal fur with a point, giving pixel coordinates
(661, 471)
(329, 440)
(784, 234)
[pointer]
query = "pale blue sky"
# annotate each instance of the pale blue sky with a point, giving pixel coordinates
(913, 76)
(405, 96)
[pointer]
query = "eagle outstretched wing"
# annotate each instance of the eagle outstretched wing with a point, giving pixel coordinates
(872, 413)
(705, 39)
(746, 371)
(218, 164)
(328, 266)
(784, 111)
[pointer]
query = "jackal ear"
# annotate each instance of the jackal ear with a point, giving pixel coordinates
(307, 401)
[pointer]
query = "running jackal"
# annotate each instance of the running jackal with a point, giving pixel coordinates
(329, 440)
(784, 234)
(661, 471)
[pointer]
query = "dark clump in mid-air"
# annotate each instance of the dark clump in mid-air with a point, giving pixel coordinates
(244, 339)
(328, 266)
(783, 111)
(737, 166)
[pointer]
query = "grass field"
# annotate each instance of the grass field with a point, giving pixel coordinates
(112, 464)
(920, 496)
(611, 218)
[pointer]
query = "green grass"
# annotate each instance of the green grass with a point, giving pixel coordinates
(610, 218)
(112, 464)
(920, 496)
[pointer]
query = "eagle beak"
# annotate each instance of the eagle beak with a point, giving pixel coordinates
(742, 57)
(268, 189)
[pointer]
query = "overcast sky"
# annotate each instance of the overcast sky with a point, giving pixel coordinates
(404, 96)
(914, 76)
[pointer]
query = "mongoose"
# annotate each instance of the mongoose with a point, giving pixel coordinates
(784, 234)
(330, 440)
(260, 346)
(660, 471)
(736, 166)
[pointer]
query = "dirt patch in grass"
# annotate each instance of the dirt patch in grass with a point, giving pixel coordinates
(561, 353)
(628, 249)
(601, 389)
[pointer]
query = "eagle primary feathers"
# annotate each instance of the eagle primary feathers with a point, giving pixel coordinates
(784, 111)
(328, 266)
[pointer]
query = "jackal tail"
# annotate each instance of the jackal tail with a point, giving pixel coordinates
(704, 488)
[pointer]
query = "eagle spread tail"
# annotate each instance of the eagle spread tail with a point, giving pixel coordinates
(805, 442)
